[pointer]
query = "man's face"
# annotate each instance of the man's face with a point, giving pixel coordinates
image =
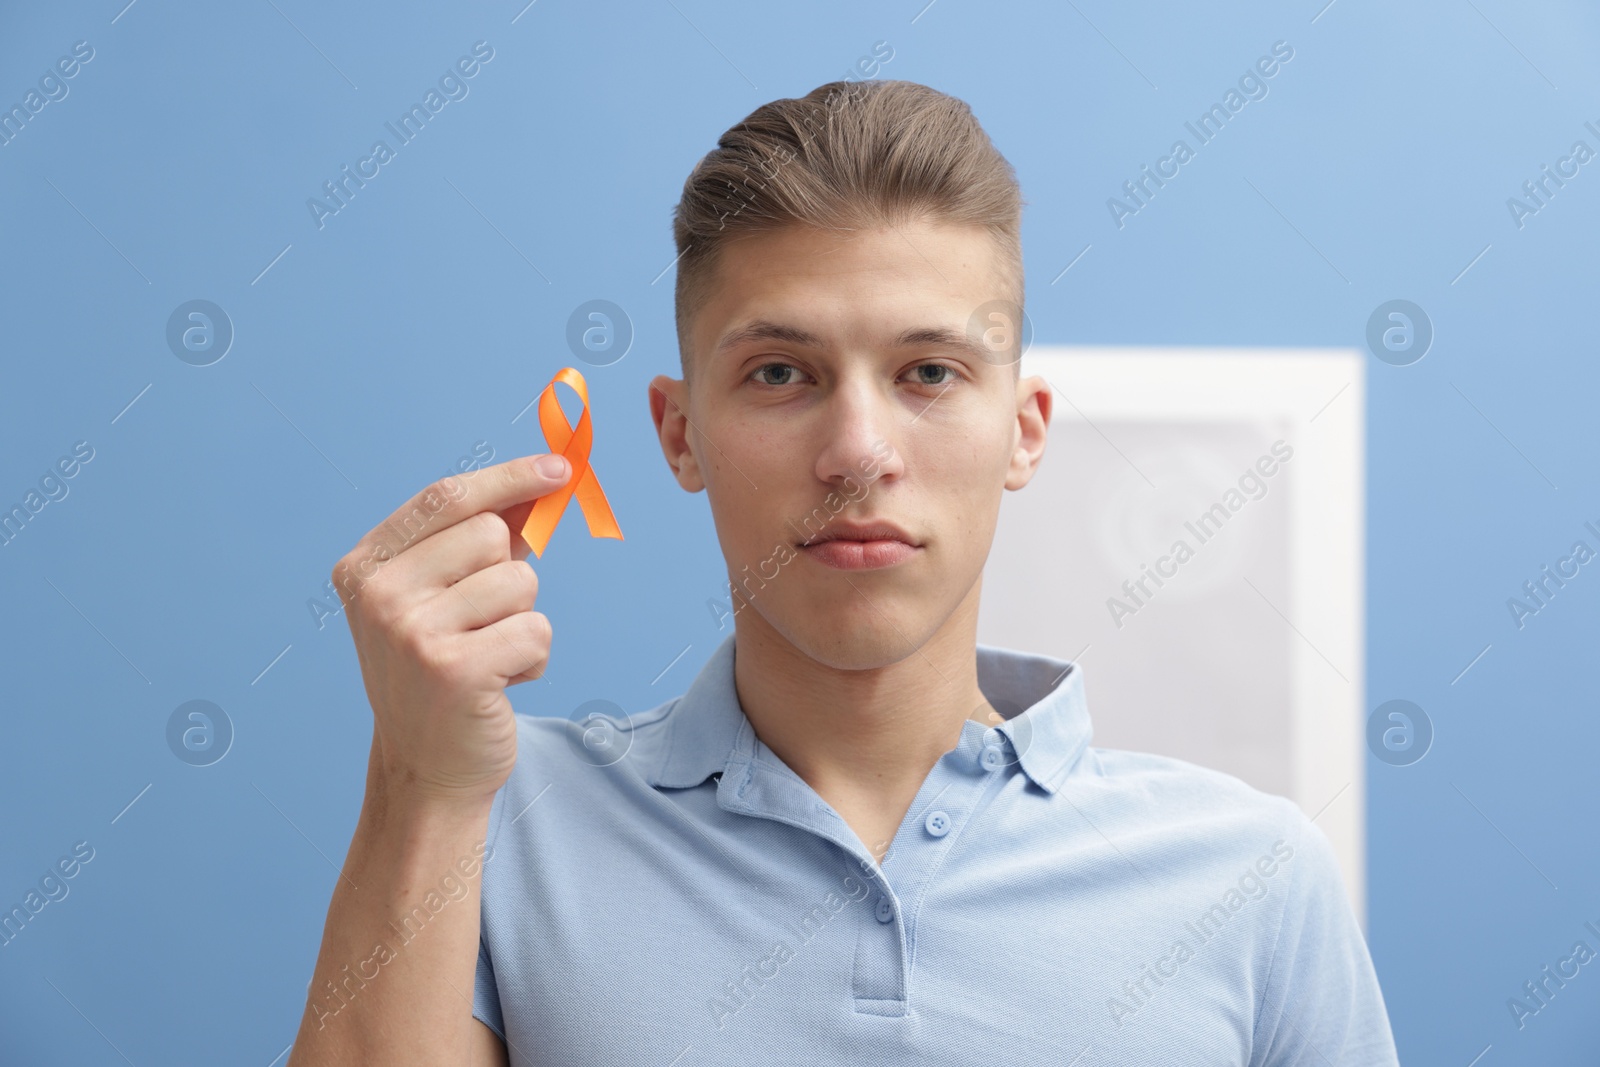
(834, 412)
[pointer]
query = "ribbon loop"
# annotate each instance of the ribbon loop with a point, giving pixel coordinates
(574, 444)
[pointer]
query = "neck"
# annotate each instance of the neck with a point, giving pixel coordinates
(862, 737)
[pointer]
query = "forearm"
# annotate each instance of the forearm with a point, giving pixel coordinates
(394, 976)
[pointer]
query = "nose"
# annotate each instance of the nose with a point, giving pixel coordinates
(860, 433)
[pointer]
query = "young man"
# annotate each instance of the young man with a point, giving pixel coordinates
(859, 837)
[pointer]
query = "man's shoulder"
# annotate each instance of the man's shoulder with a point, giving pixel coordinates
(1171, 778)
(597, 733)
(1196, 831)
(1192, 805)
(645, 721)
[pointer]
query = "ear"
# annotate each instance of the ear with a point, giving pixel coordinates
(668, 399)
(1033, 420)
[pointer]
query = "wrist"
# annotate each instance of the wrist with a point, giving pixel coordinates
(403, 789)
(403, 799)
(398, 799)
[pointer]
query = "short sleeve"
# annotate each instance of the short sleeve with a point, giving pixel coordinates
(1322, 1002)
(486, 995)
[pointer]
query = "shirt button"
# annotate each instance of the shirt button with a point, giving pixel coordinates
(937, 823)
(885, 910)
(992, 757)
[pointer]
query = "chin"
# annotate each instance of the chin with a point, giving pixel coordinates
(846, 639)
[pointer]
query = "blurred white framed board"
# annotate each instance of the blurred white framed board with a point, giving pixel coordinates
(1244, 654)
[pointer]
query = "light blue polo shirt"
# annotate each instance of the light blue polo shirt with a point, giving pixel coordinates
(666, 891)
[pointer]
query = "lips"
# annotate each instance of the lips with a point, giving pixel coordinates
(861, 545)
(865, 531)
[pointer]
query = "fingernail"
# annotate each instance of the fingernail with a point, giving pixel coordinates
(551, 466)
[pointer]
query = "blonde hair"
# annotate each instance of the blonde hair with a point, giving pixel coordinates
(847, 155)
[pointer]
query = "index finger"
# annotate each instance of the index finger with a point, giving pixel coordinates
(511, 486)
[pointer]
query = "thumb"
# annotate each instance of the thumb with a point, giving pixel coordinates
(552, 465)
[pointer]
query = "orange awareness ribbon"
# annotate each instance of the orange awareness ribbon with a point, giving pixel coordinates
(574, 445)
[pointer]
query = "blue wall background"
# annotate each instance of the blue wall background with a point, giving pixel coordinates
(372, 353)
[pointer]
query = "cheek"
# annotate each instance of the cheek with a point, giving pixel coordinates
(974, 464)
(733, 482)
(734, 462)
(974, 475)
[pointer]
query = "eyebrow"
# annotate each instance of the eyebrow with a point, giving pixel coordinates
(912, 337)
(763, 330)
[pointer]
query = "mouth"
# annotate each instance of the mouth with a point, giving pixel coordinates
(860, 546)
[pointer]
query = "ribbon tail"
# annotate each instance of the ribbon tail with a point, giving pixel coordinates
(596, 509)
(544, 517)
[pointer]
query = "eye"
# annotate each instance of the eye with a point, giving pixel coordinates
(786, 373)
(923, 379)
(776, 375)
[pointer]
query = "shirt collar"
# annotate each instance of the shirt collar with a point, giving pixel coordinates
(1041, 697)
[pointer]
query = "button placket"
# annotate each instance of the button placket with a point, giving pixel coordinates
(886, 948)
